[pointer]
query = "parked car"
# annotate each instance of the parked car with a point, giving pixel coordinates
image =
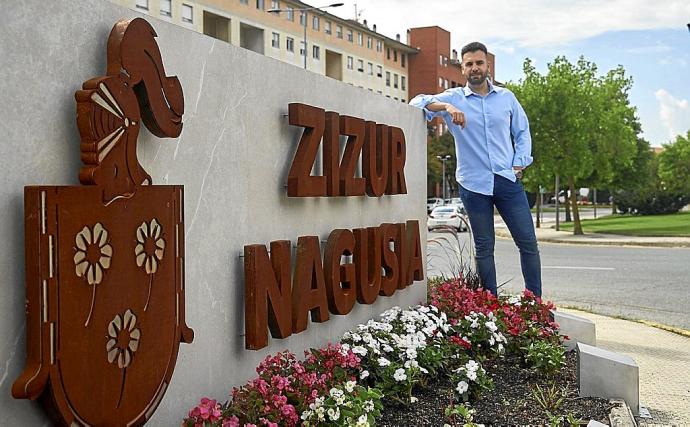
(447, 216)
(456, 201)
(431, 203)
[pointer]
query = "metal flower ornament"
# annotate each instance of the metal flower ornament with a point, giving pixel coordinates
(101, 348)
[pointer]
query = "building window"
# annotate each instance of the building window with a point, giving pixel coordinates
(275, 4)
(395, 81)
(440, 60)
(440, 82)
(388, 53)
(260, 4)
(187, 14)
(327, 27)
(349, 36)
(316, 53)
(303, 49)
(379, 46)
(290, 14)
(244, 1)
(275, 41)
(339, 31)
(166, 8)
(360, 39)
(445, 61)
(143, 4)
(350, 63)
(370, 69)
(395, 55)
(402, 83)
(370, 43)
(315, 22)
(360, 65)
(379, 71)
(402, 58)
(388, 78)
(445, 84)
(290, 44)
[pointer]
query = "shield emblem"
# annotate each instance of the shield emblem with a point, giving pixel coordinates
(105, 260)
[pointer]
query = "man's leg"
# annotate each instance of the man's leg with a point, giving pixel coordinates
(511, 202)
(480, 210)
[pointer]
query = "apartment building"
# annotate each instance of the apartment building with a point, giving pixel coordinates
(436, 67)
(342, 49)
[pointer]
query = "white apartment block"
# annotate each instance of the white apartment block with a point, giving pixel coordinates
(343, 49)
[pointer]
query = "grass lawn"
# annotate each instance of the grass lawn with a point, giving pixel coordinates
(643, 225)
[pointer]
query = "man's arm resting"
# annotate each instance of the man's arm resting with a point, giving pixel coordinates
(456, 115)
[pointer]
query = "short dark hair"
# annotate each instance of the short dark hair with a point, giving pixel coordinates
(473, 47)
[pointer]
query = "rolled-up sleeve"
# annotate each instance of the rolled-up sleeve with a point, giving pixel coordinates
(421, 101)
(519, 128)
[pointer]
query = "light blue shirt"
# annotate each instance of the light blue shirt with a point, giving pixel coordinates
(484, 148)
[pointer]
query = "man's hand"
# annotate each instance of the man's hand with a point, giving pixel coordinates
(456, 115)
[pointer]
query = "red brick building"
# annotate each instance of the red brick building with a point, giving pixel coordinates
(436, 67)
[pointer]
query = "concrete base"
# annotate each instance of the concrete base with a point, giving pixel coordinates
(602, 373)
(578, 329)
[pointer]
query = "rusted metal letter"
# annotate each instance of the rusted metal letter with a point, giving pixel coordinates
(300, 181)
(353, 128)
(340, 278)
(396, 162)
(308, 285)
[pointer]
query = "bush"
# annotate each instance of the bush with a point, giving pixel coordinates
(545, 357)
(650, 201)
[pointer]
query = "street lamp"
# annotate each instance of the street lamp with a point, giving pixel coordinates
(304, 14)
(443, 173)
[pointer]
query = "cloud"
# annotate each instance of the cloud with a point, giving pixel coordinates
(525, 23)
(674, 113)
(643, 50)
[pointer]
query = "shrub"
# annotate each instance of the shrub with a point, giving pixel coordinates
(545, 357)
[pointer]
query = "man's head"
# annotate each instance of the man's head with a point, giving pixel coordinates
(475, 67)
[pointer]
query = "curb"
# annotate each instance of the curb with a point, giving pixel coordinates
(504, 234)
(621, 415)
(673, 329)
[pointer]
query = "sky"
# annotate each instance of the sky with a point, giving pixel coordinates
(650, 39)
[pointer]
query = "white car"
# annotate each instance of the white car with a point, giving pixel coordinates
(447, 216)
(432, 202)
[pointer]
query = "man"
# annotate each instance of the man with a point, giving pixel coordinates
(482, 119)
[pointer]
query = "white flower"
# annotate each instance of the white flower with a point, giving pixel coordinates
(387, 348)
(472, 375)
(411, 353)
(413, 399)
(306, 414)
(336, 393)
(462, 387)
(383, 361)
(364, 374)
(411, 364)
(345, 348)
(356, 337)
(350, 386)
(492, 326)
(513, 300)
(400, 375)
(369, 405)
(359, 350)
(362, 421)
(334, 415)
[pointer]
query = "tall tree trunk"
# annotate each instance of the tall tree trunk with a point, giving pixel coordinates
(538, 209)
(577, 226)
(567, 208)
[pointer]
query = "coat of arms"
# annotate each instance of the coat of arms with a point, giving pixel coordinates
(105, 260)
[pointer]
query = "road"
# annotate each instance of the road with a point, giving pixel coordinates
(639, 283)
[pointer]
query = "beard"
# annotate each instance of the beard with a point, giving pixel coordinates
(477, 79)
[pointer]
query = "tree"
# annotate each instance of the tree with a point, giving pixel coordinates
(674, 166)
(583, 126)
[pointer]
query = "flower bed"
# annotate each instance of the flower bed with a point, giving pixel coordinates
(456, 339)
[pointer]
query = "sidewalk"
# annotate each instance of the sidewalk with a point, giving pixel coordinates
(550, 235)
(664, 361)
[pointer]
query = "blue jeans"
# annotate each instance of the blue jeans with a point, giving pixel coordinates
(511, 202)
